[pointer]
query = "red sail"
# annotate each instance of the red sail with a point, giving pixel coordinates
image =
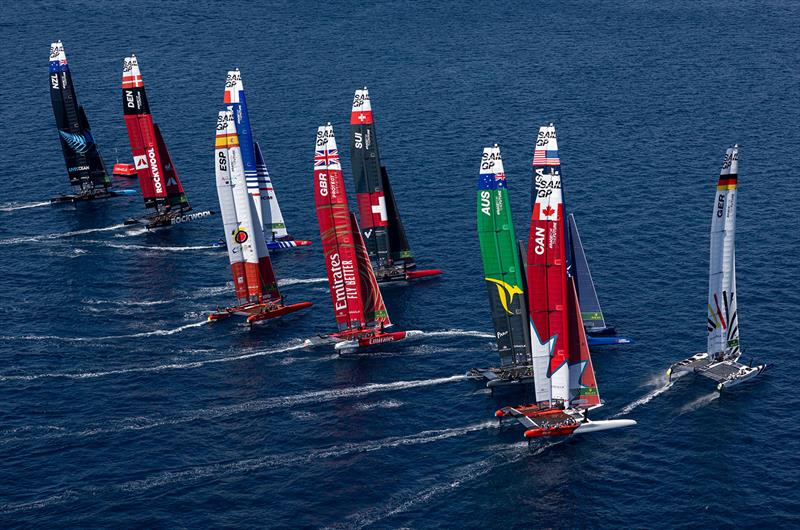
(336, 232)
(583, 384)
(175, 194)
(374, 308)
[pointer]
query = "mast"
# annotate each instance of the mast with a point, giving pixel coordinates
(503, 271)
(591, 313)
(274, 225)
(85, 166)
(547, 273)
(722, 320)
(336, 232)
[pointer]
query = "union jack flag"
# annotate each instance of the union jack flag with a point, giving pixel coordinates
(326, 157)
(546, 158)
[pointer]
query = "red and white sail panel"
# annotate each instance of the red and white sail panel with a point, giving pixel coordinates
(375, 313)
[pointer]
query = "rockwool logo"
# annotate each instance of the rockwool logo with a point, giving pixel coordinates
(154, 170)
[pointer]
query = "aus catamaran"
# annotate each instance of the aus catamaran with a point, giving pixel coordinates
(257, 293)
(564, 379)
(85, 167)
(720, 362)
(381, 226)
(358, 305)
(161, 187)
(259, 183)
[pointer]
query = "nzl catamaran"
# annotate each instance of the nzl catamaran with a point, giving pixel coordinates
(720, 362)
(254, 280)
(158, 178)
(360, 312)
(381, 226)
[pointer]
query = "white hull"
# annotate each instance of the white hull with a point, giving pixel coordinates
(602, 425)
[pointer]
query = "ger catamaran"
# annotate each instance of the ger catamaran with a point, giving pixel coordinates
(360, 312)
(564, 379)
(259, 184)
(85, 167)
(381, 226)
(254, 280)
(720, 362)
(158, 178)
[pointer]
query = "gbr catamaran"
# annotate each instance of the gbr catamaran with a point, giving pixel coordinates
(564, 379)
(720, 362)
(161, 188)
(254, 280)
(358, 305)
(381, 226)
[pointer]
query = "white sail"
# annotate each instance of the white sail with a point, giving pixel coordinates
(723, 325)
(227, 206)
(272, 218)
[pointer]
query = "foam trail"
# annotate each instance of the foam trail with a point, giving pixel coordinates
(297, 281)
(124, 246)
(13, 206)
(28, 239)
(155, 332)
(250, 465)
(647, 398)
(700, 402)
(458, 333)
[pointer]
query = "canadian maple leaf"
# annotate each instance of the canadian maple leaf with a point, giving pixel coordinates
(548, 211)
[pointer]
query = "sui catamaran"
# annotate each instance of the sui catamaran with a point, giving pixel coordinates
(564, 379)
(381, 226)
(85, 167)
(358, 305)
(158, 178)
(254, 280)
(720, 362)
(259, 184)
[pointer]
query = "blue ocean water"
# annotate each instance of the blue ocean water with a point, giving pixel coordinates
(120, 407)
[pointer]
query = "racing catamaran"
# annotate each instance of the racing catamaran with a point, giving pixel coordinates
(720, 362)
(85, 167)
(564, 380)
(358, 305)
(158, 178)
(259, 184)
(254, 280)
(381, 226)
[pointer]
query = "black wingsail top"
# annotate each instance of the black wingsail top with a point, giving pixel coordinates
(399, 249)
(591, 313)
(85, 166)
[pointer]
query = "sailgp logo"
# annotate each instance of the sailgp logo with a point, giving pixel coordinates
(76, 142)
(506, 293)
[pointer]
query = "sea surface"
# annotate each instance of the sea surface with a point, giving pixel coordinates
(121, 407)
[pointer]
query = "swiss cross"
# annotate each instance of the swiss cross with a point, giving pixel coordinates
(361, 117)
(380, 208)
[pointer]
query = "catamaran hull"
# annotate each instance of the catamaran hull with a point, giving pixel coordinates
(168, 219)
(271, 245)
(503, 377)
(83, 197)
(258, 312)
(376, 339)
(745, 376)
(399, 275)
(607, 340)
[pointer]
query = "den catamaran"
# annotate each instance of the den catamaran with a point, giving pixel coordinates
(259, 184)
(360, 312)
(564, 379)
(85, 167)
(254, 280)
(381, 226)
(158, 178)
(721, 360)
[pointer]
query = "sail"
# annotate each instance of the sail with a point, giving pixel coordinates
(723, 323)
(369, 186)
(591, 313)
(547, 273)
(336, 232)
(501, 262)
(176, 197)
(142, 136)
(374, 308)
(85, 167)
(399, 249)
(272, 218)
(226, 141)
(583, 391)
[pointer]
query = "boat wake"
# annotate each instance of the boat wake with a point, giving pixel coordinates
(249, 465)
(13, 206)
(154, 248)
(298, 281)
(698, 403)
(153, 333)
(45, 237)
(662, 384)
(457, 333)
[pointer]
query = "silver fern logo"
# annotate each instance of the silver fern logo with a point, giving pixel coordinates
(76, 142)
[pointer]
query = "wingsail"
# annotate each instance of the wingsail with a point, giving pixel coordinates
(591, 312)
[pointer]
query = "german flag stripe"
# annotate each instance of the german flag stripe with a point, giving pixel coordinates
(727, 182)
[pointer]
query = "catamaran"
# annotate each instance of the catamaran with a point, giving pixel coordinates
(85, 167)
(564, 379)
(381, 226)
(258, 297)
(158, 178)
(259, 183)
(720, 362)
(358, 305)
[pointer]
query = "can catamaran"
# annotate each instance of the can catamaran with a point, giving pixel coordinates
(85, 167)
(358, 305)
(720, 362)
(158, 178)
(564, 380)
(254, 280)
(381, 226)
(259, 184)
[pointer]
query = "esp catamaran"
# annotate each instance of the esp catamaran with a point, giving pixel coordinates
(259, 183)
(158, 178)
(254, 280)
(381, 226)
(358, 305)
(720, 362)
(85, 167)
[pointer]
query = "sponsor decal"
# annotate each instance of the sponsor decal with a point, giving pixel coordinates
(240, 235)
(381, 340)
(486, 202)
(154, 170)
(506, 292)
(337, 282)
(191, 217)
(538, 240)
(140, 162)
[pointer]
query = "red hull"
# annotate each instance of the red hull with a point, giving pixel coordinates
(415, 275)
(302, 242)
(124, 170)
(258, 312)
(556, 431)
(367, 338)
